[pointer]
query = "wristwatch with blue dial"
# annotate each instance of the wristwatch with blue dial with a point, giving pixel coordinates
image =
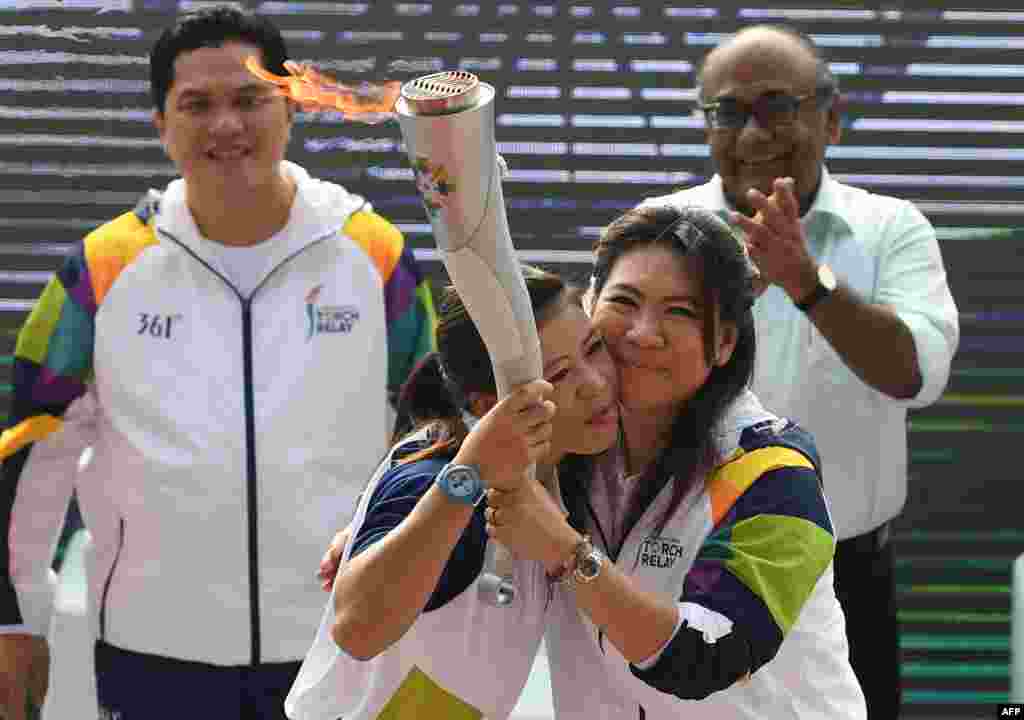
(461, 483)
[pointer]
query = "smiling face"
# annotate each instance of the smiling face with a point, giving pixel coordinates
(754, 63)
(652, 314)
(577, 363)
(225, 130)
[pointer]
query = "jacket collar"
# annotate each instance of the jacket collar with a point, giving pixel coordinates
(745, 410)
(319, 209)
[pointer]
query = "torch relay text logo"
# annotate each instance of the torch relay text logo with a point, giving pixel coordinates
(327, 318)
(660, 552)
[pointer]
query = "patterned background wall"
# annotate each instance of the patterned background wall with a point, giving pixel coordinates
(595, 111)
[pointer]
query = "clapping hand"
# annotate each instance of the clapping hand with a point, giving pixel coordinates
(776, 239)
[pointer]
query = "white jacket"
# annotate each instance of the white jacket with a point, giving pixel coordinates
(774, 538)
(230, 436)
(809, 678)
(478, 653)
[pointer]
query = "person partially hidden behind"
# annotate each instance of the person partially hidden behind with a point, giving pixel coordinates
(856, 323)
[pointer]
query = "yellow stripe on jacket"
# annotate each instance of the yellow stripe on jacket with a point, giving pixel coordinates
(733, 478)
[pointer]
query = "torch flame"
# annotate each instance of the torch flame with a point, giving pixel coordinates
(368, 102)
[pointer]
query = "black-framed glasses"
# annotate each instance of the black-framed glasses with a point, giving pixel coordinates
(773, 109)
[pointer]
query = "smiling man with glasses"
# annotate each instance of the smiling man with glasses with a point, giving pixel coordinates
(856, 322)
(767, 123)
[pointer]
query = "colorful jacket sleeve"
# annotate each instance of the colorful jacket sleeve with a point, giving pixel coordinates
(53, 366)
(772, 540)
(411, 318)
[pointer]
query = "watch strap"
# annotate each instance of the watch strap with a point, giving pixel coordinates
(566, 571)
(825, 285)
(819, 293)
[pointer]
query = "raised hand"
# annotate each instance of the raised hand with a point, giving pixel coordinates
(776, 240)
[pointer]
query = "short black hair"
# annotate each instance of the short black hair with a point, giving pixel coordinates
(211, 27)
(825, 83)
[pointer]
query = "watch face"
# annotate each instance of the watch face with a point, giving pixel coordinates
(590, 565)
(826, 277)
(461, 482)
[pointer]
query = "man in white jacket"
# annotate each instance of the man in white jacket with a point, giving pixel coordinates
(226, 349)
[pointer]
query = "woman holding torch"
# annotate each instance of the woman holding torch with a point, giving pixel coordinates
(406, 634)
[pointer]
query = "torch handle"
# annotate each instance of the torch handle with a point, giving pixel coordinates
(458, 174)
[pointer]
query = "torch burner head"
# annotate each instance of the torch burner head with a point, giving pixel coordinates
(441, 93)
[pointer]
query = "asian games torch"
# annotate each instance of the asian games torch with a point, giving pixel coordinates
(447, 121)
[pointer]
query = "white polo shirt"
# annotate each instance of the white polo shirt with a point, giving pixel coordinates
(886, 251)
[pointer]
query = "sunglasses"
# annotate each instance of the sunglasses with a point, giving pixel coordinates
(773, 109)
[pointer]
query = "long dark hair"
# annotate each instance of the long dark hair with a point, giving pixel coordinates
(727, 275)
(440, 387)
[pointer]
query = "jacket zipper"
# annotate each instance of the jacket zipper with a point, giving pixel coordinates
(110, 578)
(252, 485)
